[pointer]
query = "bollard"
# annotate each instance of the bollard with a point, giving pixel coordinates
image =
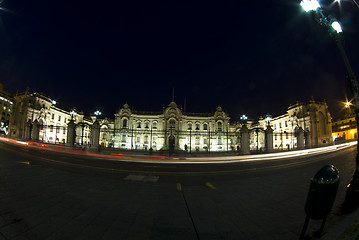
(322, 191)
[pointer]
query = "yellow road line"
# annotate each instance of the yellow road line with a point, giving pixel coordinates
(27, 163)
(179, 187)
(208, 184)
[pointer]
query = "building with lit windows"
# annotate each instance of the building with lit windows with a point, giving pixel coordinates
(170, 129)
(345, 128)
(6, 102)
(35, 116)
(37, 108)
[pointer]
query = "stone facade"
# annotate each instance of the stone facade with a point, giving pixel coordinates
(36, 117)
(6, 103)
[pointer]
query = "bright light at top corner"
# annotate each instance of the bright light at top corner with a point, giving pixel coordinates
(336, 26)
(310, 5)
(53, 102)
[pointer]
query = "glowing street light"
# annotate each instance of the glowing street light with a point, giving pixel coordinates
(97, 113)
(310, 5)
(243, 117)
(352, 195)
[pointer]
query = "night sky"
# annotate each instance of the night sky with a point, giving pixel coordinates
(250, 57)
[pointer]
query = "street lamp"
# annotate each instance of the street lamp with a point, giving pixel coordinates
(97, 113)
(352, 196)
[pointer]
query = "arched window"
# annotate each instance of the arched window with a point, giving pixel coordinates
(219, 126)
(197, 126)
(154, 125)
(189, 126)
(172, 123)
(138, 124)
(124, 123)
(205, 126)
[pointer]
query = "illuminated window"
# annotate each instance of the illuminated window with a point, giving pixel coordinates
(172, 123)
(197, 140)
(219, 126)
(154, 125)
(205, 126)
(189, 126)
(124, 123)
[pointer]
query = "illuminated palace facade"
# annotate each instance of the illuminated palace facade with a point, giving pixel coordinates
(35, 116)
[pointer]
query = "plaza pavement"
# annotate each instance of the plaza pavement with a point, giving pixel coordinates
(40, 202)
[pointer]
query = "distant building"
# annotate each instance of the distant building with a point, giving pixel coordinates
(35, 116)
(170, 129)
(30, 108)
(6, 102)
(345, 128)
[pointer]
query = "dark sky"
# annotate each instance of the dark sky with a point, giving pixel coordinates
(252, 57)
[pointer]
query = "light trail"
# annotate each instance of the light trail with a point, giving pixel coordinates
(181, 160)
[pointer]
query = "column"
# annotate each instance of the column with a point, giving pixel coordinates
(70, 133)
(28, 130)
(300, 138)
(95, 134)
(269, 139)
(35, 131)
(244, 140)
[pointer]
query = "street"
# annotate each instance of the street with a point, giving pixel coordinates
(48, 195)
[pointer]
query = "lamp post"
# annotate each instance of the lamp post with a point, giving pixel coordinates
(335, 30)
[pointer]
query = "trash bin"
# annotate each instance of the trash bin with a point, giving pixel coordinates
(321, 196)
(322, 192)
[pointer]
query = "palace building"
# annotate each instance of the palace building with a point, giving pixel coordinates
(6, 102)
(35, 116)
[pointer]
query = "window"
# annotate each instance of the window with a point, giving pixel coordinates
(64, 131)
(59, 118)
(154, 125)
(219, 126)
(219, 140)
(138, 139)
(286, 124)
(205, 126)
(65, 119)
(123, 138)
(51, 128)
(124, 123)
(189, 126)
(172, 123)
(146, 140)
(138, 124)
(57, 129)
(204, 140)
(197, 126)
(146, 125)
(53, 116)
(197, 140)
(280, 125)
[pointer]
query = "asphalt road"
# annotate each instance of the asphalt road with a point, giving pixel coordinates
(48, 195)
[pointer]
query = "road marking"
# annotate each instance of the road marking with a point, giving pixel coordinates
(179, 187)
(27, 162)
(208, 184)
(142, 178)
